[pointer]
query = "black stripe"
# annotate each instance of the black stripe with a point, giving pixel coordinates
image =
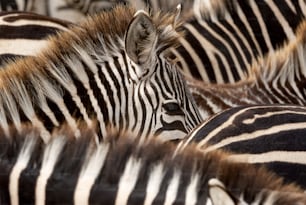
(252, 19)
(32, 32)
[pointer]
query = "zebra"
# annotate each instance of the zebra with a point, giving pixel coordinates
(223, 37)
(264, 135)
(124, 169)
(115, 73)
(25, 34)
(73, 11)
(277, 78)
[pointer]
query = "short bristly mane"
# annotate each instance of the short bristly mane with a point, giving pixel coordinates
(100, 69)
(285, 64)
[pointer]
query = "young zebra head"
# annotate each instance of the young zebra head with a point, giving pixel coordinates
(110, 68)
(123, 170)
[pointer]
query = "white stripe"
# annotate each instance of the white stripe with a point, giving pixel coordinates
(298, 157)
(8, 46)
(271, 114)
(192, 190)
(302, 6)
(128, 181)
(154, 182)
(172, 188)
(21, 163)
(257, 133)
(50, 157)
(89, 173)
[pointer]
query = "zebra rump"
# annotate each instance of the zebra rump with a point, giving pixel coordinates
(266, 135)
(126, 170)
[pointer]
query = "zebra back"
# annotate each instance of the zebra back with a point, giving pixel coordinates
(126, 170)
(226, 36)
(268, 135)
(25, 34)
(277, 78)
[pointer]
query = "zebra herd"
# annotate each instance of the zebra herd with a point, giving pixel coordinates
(153, 102)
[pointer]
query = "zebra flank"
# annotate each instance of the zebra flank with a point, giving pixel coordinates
(27, 30)
(277, 78)
(126, 170)
(269, 135)
(104, 72)
(226, 36)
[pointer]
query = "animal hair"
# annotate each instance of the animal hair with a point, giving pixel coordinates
(77, 154)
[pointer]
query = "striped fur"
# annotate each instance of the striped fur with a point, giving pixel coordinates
(222, 37)
(126, 170)
(102, 71)
(277, 78)
(269, 135)
(226, 36)
(25, 34)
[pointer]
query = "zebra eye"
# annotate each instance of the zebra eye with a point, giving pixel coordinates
(173, 108)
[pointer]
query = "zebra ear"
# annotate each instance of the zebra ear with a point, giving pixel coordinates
(140, 38)
(218, 194)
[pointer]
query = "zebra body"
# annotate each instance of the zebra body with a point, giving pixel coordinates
(269, 135)
(25, 34)
(278, 78)
(126, 170)
(223, 37)
(104, 72)
(226, 36)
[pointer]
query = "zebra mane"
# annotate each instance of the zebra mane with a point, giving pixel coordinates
(82, 169)
(286, 64)
(93, 31)
(29, 82)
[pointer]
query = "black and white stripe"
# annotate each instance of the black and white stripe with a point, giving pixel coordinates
(226, 36)
(25, 34)
(279, 77)
(84, 76)
(223, 37)
(126, 170)
(269, 135)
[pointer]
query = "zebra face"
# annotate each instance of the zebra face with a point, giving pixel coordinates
(167, 108)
